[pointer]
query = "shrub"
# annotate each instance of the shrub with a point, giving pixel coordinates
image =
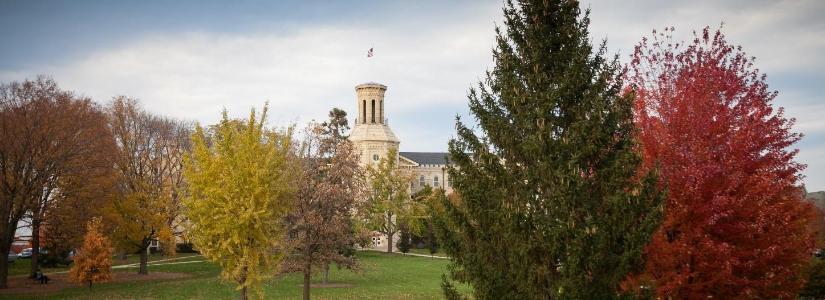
(815, 287)
(185, 248)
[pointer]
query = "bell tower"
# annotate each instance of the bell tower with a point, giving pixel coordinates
(371, 134)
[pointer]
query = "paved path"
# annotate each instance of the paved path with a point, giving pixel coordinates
(156, 262)
(151, 263)
(164, 262)
(408, 254)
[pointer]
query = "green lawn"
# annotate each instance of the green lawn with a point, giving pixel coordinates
(23, 266)
(384, 277)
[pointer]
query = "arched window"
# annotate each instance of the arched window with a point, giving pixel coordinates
(381, 119)
(435, 181)
(421, 182)
(364, 111)
(373, 110)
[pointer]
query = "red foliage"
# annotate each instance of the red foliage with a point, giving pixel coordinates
(735, 224)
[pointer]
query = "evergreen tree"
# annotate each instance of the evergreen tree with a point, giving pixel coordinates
(404, 240)
(93, 262)
(432, 244)
(550, 200)
(337, 125)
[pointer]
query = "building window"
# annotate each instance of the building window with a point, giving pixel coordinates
(375, 157)
(421, 182)
(364, 111)
(435, 181)
(373, 110)
(449, 181)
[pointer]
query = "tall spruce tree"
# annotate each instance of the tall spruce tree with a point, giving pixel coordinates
(551, 202)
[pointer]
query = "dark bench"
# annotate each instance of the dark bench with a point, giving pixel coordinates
(42, 278)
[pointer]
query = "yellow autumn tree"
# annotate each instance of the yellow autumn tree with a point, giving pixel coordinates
(241, 183)
(93, 262)
(147, 171)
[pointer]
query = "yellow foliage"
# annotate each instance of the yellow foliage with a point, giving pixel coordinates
(93, 262)
(389, 205)
(242, 184)
(167, 241)
(137, 218)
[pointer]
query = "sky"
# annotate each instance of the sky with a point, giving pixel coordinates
(191, 59)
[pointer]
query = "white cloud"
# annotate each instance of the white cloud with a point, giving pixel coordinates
(427, 62)
(303, 74)
(785, 36)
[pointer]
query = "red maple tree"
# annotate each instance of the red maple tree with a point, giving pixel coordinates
(735, 224)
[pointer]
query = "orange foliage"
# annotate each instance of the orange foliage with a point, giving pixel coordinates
(93, 262)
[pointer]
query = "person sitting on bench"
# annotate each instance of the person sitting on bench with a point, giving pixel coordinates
(41, 277)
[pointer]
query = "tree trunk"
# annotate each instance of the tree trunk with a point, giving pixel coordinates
(307, 277)
(35, 248)
(390, 227)
(4, 265)
(389, 242)
(326, 273)
(144, 260)
(90, 285)
(5, 247)
(307, 271)
(242, 280)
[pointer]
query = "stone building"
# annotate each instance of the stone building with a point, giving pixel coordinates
(372, 136)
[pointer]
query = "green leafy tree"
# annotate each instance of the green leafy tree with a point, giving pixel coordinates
(429, 197)
(432, 201)
(550, 201)
(389, 205)
(241, 188)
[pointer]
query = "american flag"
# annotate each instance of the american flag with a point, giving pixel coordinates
(369, 53)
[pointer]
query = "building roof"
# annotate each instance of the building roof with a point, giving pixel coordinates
(372, 132)
(371, 85)
(427, 158)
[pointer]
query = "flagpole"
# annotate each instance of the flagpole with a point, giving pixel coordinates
(370, 64)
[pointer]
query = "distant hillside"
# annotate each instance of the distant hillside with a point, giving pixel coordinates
(818, 198)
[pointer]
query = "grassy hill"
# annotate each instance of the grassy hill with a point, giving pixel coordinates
(384, 276)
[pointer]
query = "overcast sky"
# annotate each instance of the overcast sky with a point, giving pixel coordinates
(191, 59)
